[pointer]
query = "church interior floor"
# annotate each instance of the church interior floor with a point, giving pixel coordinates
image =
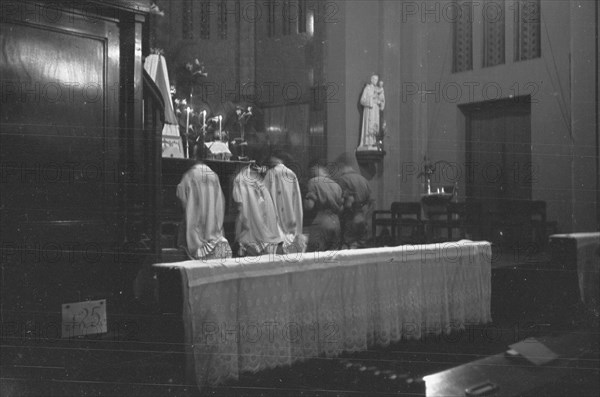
(136, 363)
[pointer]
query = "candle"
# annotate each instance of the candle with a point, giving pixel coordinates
(220, 118)
(187, 127)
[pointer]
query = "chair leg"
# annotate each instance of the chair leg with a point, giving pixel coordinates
(431, 234)
(374, 229)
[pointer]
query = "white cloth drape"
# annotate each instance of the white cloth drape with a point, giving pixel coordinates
(156, 67)
(588, 267)
(248, 314)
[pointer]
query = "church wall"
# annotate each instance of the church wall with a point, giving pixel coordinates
(403, 181)
(584, 91)
(283, 64)
(423, 98)
(410, 45)
(354, 50)
(351, 57)
(547, 79)
(399, 141)
(220, 55)
(288, 69)
(334, 73)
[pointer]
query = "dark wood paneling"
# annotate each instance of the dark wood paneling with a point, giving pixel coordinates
(60, 175)
(75, 161)
(56, 122)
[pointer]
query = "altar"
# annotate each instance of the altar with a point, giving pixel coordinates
(250, 314)
(579, 254)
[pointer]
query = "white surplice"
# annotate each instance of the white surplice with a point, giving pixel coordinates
(282, 184)
(256, 224)
(202, 198)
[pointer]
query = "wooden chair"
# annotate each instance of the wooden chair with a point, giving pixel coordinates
(440, 221)
(384, 219)
(465, 217)
(524, 223)
(474, 219)
(462, 217)
(408, 217)
(540, 228)
(401, 216)
(169, 231)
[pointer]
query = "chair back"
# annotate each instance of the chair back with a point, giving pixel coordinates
(524, 210)
(457, 210)
(406, 210)
(537, 210)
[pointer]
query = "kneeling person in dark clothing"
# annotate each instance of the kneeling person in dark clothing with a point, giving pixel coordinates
(357, 204)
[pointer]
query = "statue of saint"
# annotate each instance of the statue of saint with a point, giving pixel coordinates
(373, 102)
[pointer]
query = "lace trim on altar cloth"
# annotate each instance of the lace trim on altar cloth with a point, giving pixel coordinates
(238, 321)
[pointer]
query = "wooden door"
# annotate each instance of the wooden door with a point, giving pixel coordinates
(498, 156)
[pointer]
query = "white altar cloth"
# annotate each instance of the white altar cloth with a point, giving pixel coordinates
(588, 266)
(249, 314)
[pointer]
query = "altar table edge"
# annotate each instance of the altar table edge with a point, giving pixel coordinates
(202, 272)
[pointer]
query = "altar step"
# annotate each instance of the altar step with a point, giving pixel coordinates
(395, 370)
(129, 360)
(398, 370)
(136, 363)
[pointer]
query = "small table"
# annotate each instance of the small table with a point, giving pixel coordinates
(434, 209)
(436, 199)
